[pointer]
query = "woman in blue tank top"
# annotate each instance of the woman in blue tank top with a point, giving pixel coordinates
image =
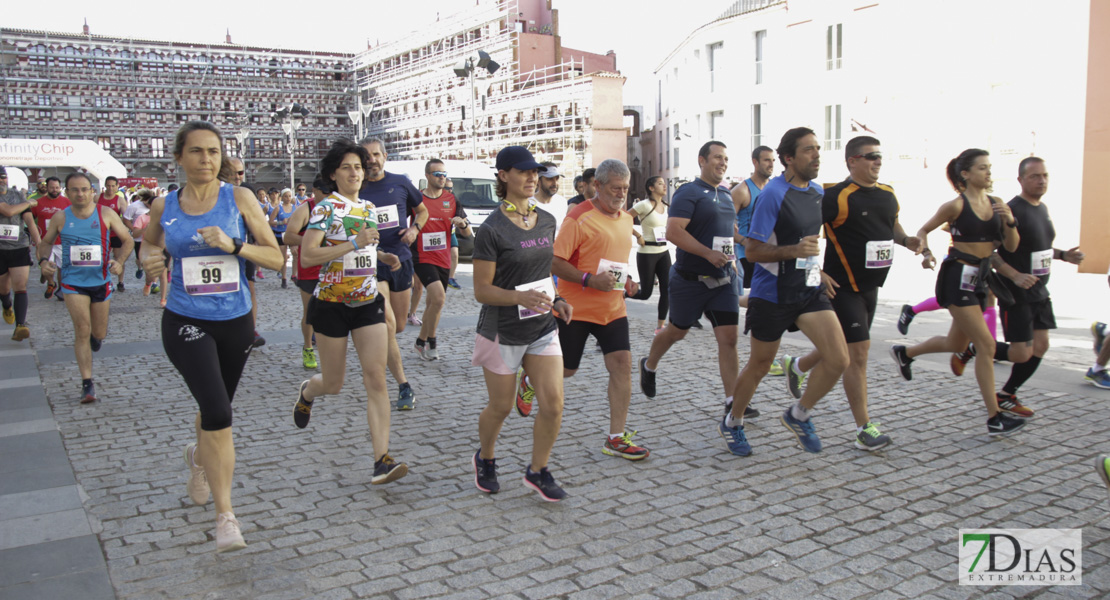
(279, 219)
(206, 328)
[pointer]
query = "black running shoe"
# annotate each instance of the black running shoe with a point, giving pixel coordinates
(750, 412)
(88, 393)
(647, 379)
(387, 470)
(1003, 424)
(697, 325)
(485, 474)
(903, 361)
(120, 287)
(905, 319)
(544, 483)
(302, 410)
(94, 344)
(259, 341)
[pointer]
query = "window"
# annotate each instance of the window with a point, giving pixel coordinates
(717, 125)
(105, 143)
(832, 127)
(667, 165)
(44, 100)
(129, 103)
(15, 112)
(231, 147)
(834, 46)
(45, 114)
(74, 107)
(131, 145)
(102, 115)
(14, 99)
(676, 158)
(158, 147)
(757, 125)
(714, 58)
(760, 36)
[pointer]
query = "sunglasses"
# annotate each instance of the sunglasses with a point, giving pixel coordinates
(240, 172)
(439, 173)
(870, 156)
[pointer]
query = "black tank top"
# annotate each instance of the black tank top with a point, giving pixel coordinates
(968, 227)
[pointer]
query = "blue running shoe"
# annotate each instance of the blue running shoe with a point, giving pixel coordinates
(1099, 379)
(803, 430)
(735, 439)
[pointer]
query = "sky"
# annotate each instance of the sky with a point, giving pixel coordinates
(640, 41)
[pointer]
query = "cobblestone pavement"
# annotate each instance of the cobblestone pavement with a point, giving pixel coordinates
(691, 521)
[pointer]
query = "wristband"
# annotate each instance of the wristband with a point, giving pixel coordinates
(355, 244)
(41, 260)
(557, 300)
(585, 280)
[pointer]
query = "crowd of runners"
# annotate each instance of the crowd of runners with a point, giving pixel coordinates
(549, 274)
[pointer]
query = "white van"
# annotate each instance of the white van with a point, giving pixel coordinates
(474, 184)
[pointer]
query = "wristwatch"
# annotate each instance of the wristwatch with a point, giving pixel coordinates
(238, 246)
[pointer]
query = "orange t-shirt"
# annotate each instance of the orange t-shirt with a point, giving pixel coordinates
(586, 237)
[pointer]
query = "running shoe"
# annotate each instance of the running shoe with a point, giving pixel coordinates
(146, 290)
(1099, 379)
(422, 351)
(302, 410)
(406, 399)
(794, 378)
(284, 284)
(453, 284)
(50, 289)
(803, 430)
(697, 325)
(258, 342)
(624, 448)
(415, 321)
(432, 353)
(1098, 330)
(155, 288)
(9, 315)
(88, 393)
(94, 344)
(525, 394)
(1009, 404)
(871, 438)
(197, 486)
(544, 483)
(21, 333)
(59, 296)
(776, 369)
(647, 379)
(485, 474)
(1003, 424)
(905, 319)
(657, 331)
(386, 470)
(120, 287)
(1102, 465)
(750, 412)
(138, 273)
(959, 360)
(735, 439)
(229, 538)
(898, 353)
(308, 358)
(258, 275)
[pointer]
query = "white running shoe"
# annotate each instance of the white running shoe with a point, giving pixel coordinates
(228, 536)
(197, 486)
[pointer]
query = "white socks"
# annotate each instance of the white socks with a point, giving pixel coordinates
(798, 412)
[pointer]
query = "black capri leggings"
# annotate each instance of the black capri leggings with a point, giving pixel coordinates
(210, 355)
(652, 266)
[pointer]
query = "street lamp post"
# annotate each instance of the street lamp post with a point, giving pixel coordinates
(465, 69)
(291, 118)
(360, 115)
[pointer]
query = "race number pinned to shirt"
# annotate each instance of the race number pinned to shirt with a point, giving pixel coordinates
(207, 275)
(386, 216)
(361, 263)
(879, 254)
(543, 285)
(724, 245)
(660, 233)
(1041, 261)
(85, 256)
(436, 240)
(812, 266)
(969, 278)
(9, 233)
(619, 271)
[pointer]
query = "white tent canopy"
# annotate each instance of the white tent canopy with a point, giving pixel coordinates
(82, 154)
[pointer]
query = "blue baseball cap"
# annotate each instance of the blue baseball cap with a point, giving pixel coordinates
(516, 157)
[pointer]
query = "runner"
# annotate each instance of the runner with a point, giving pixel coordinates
(978, 223)
(591, 252)
(1098, 375)
(342, 238)
(279, 219)
(267, 203)
(432, 255)
(396, 200)
(86, 269)
(17, 232)
(137, 218)
(547, 194)
(860, 217)
(451, 282)
(786, 291)
(49, 205)
(206, 327)
(653, 257)
(114, 199)
(516, 327)
(236, 174)
(309, 276)
(703, 278)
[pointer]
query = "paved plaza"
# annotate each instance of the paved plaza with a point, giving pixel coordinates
(94, 505)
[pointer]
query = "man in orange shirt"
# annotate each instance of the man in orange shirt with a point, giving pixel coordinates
(591, 262)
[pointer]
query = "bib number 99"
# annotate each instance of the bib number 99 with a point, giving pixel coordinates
(211, 275)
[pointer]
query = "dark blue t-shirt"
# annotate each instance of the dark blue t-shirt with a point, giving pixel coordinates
(783, 216)
(397, 191)
(711, 215)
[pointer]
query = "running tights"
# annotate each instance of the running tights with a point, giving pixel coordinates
(210, 355)
(990, 315)
(650, 267)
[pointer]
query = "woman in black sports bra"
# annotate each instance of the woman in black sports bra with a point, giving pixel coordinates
(979, 223)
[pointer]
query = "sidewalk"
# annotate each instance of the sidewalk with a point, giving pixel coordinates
(691, 521)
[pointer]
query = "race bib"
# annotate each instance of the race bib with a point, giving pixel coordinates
(619, 271)
(724, 245)
(660, 233)
(9, 233)
(543, 285)
(812, 266)
(208, 275)
(969, 278)
(85, 256)
(879, 254)
(433, 241)
(386, 216)
(361, 263)
(1041, 262)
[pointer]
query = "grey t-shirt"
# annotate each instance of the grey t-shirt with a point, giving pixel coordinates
(522, 256)
(14, 197)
